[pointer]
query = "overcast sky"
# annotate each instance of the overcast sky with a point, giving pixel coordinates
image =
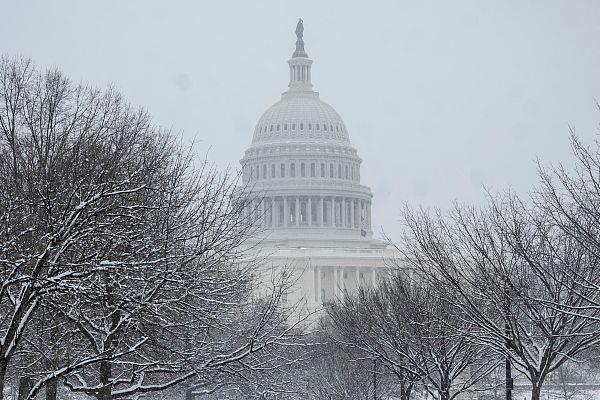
(439, 97)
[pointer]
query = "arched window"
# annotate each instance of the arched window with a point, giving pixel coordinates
(293, 127)
(264, 171)
(283, 170)
(312, 170)
(317, 126)
(285, 127)
(322, 170)
(293, 170)
(272, 170)
(278, 127)
(352, 172)
(271, 128)
(325, 127)
(302, 170)
(309, 126)
(337, 129)
(331, 127)
(347, 177)
(331, 170)
(301, 126)
(339, 171)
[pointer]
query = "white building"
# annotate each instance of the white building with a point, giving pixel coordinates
(306, 188)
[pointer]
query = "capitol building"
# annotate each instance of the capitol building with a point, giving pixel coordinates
(304, 186)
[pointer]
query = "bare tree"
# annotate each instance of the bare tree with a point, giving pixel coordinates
(135, 249)
(339, 372)
(409, 327)
(571, 199)
(510, 272)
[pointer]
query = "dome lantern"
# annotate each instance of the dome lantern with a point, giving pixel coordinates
(300, 64)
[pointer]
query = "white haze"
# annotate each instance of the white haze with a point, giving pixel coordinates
(439, 97)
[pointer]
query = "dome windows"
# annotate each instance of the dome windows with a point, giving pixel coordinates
(309, 126)
(293, 127)
(278, 127)
(301, 126)
(318, 127)
(301, 168)
(271, 128)
(285, 127)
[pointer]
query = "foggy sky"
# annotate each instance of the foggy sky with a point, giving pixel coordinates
(439, 98)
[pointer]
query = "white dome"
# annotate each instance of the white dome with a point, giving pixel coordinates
(300, 116)
(302, 174)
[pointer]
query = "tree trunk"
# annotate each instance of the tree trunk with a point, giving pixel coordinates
(445, 388)
(105, 393)
(509, 379)
(52, 389)
(536, 391)
(189, 395)
(405, 392)
(3, 364)
(25, 385)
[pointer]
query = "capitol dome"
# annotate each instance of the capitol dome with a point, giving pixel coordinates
(302, 173)
(300, 116)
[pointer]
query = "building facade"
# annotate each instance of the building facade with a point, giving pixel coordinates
(305, 189)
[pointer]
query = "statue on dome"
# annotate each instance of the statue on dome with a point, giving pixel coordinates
(299, 29)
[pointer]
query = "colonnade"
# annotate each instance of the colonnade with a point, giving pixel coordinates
(330, 282)
(300, 73)
(296, 211)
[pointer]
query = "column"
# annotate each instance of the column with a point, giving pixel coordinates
(369, 214)
(297, 210)
(309, 211)
(332, 211)
(362, 212)
(343, 209)
(352, 213)
(273, 212)
(286, 212)
(320, 213)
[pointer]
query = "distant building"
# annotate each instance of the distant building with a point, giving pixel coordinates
(305, 187)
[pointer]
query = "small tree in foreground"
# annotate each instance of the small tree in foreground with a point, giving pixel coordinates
(409, 328)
